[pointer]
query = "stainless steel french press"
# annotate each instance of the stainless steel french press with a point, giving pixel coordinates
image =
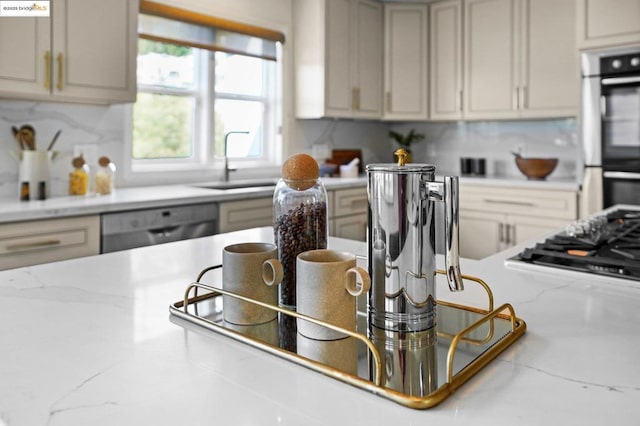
(401, 259)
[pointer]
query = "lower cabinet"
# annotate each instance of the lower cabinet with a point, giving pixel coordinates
(244, 214)
(41, 241)
(347, 213)
(493, 219)
(348, 217)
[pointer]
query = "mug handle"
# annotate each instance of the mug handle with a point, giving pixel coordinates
(272, 272)
(357, 289)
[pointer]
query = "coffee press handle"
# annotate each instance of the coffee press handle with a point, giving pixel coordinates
(452, 234)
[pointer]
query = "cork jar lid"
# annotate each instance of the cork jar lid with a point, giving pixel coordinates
(300, 171)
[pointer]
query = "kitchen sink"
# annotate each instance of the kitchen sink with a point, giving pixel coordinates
(239, 184)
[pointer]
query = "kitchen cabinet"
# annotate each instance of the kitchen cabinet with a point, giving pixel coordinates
(338, 58)
(42, 241)
(602, 23)
(244, 214)
(493, 218)
(348, 213)
(405, 61)
(520, 59)
(84, 52)
(445, 60)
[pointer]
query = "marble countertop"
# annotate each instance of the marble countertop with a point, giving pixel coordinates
(12, 210)
(133, 198)
(90, 341)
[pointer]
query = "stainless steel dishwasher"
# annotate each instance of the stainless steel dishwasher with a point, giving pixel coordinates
(139, 228)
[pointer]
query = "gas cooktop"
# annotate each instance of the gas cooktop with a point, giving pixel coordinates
(605, 245)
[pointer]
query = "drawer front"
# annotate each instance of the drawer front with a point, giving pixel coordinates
(349, 201)
(236, 215)
(350, 227)
(34, 242)
(532, 202)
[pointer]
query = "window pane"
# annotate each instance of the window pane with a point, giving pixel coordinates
(163, 64)
(239, 74)
(162, 126)
(234, 115)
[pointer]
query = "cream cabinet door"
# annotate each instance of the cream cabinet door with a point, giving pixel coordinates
(491, 59)
(244, 214)
(25, 45)
(338, 58)
(367, 58)
(445, 60)
(85, 52)
(94, 50)
(526, 228)
(405, 59)
(339, 94)
(604, 23)
(351, 227)
(480, 234)
(550, 72)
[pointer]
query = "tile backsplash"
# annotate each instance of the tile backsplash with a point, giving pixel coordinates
(100, 130)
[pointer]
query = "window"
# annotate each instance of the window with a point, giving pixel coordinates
(195, 92)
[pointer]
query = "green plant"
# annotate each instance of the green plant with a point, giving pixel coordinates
(405, 141)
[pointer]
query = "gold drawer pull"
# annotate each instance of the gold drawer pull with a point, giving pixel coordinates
(36, 244)
(60, 79)
(47, 70)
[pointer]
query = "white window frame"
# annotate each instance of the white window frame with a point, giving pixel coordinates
(204, 163)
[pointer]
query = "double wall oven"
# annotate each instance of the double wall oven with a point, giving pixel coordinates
(610, 128)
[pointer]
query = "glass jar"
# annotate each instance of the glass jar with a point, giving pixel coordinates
(105, 176)
(300, 224)
(79, 177)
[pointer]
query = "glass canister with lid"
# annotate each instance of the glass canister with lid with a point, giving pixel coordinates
(79, 177)
(105, 176)
(300, 218)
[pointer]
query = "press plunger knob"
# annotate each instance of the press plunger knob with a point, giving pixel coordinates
(300, 171)
(402, 154)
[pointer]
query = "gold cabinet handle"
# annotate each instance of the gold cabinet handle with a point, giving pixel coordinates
(36, 244)
(47, 70)
(389, 101)
(355, 99)
(60, 59)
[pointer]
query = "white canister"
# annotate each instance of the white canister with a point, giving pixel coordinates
(34, 172)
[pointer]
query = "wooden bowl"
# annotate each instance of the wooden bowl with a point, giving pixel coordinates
(536, 168)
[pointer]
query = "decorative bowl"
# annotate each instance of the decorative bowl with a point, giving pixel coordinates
(536, 168)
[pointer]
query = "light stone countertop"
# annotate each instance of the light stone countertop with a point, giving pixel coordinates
(133, 198)
(90, 341)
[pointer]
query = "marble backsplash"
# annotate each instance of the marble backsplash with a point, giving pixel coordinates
(100, 130)
(446, 142)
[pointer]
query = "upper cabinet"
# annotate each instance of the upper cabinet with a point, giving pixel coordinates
(405, 62)
(520, 59)
(84, 52)
(445, 64)
(338, 58)
(603, 23)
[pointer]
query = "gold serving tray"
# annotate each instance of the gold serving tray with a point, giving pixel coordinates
(468, 338)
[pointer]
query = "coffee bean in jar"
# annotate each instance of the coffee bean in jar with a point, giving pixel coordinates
(300, 218)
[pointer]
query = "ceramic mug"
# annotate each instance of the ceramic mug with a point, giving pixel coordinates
(251, 270)
(341, 354)
(326, 289)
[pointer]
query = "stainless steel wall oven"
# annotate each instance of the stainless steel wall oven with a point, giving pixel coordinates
(610, 122)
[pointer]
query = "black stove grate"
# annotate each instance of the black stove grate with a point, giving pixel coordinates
(614, 250)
